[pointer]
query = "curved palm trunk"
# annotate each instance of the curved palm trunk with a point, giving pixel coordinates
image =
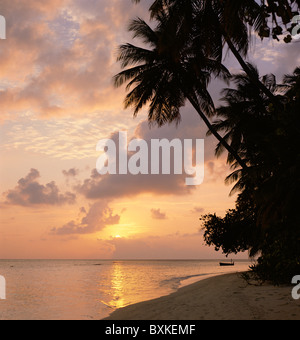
(247, 70)
(196, 106)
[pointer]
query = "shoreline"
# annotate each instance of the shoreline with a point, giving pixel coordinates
(222, 297)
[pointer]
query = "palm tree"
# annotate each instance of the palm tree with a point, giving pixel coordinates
(292, 84)
(247, 122)
(266, 216)
(226, 22)
(267, 141)
(168, 74)
(245, 106)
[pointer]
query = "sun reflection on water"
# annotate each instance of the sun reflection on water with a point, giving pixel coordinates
(117, 286)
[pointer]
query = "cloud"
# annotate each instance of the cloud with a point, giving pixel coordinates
(198, 210)
(118, 186)
(97, 218)
(115, 186)
(62, 138)
(29, 192)
(71, 173)
(158, 215)
(59, 56)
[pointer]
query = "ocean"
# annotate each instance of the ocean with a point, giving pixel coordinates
(93, 289)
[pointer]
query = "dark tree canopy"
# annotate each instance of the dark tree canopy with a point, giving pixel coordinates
(265, 220)
(258, 126)
(270, 19)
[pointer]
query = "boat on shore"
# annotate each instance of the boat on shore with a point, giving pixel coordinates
(225, 264)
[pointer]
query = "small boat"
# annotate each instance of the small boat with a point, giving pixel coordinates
(225, 264)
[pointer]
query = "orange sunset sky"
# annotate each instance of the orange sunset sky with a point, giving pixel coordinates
(57, 101)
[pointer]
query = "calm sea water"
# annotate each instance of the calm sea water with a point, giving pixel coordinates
(88, 289)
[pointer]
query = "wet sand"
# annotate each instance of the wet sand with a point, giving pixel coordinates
(226, 297)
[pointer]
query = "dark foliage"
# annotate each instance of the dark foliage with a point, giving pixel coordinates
(265, 220)
(258, 126)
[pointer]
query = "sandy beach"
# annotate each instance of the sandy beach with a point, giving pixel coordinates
(226, 297)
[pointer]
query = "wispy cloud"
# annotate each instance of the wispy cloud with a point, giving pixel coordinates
(59, 56)
(64, 138)
(198, 210)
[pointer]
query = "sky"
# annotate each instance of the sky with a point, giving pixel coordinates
(57, 101)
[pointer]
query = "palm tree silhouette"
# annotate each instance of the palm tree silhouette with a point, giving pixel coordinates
(169, 73)
(292, 84)
(244, 118)
(265, 220)
(266, 140)
(225, 22)
(248, 122)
